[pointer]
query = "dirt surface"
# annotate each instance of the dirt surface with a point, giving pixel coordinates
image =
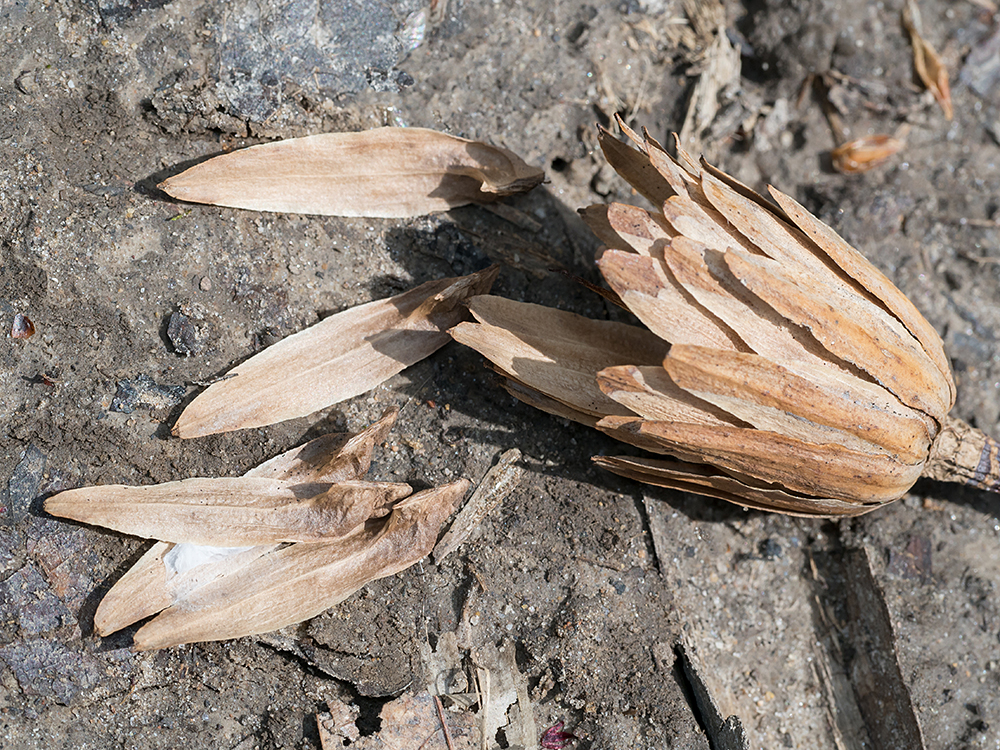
(878, 632)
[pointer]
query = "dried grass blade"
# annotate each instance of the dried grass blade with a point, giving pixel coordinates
(294, 583)
(386, 172)
(926, 62)
(229, 511)
(343, 356)
(702, 480)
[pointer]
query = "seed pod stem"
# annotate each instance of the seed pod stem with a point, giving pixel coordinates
(963, 454)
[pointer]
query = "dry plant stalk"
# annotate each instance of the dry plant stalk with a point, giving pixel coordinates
(926, 62)
(781, 370)
(386, 172)
(346, 532)
(340, 357)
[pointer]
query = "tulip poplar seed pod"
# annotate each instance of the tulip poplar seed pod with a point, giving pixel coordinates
(780, 369)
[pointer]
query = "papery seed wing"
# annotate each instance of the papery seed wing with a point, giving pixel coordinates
(228, 511)
(385, 172)
(148, 586)
(556, 352)
(704, 480)
(703, 274)
(342, 356)
(330, 458)
(294, 583)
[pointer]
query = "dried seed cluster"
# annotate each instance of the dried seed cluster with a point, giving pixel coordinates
(780, 369)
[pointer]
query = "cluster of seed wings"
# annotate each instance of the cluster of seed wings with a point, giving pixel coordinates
(778, 366)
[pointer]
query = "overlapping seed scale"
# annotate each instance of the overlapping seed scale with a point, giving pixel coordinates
(827, 470)
(704, 480)
(850, 328)
(855, 265)
(625, 227)
(650, 393)
(703, 273)
(648, 288)
(803, 286)
(635, 167)
(821, 408)
(555, 352)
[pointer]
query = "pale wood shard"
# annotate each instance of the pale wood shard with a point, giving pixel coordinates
(148, 586)
(385, 172)
(229, 511)
(343, 356)
(556, 352)
(501, 479)
(297, 582)
(861, 270)
(650, 291)
(804, 406)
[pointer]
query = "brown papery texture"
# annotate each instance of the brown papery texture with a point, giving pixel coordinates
(386, 172)
(795, 377)
(343, 356)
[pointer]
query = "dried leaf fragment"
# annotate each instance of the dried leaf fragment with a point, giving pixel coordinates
(385, 172)
(864, 153)
(926, 62)
(342, 356)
